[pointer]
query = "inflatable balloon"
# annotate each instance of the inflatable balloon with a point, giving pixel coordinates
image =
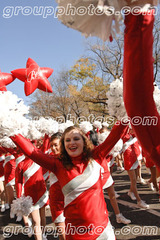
(5, 79)
(34, 77)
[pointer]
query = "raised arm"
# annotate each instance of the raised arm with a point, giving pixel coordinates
(116, 133)
(35, 154)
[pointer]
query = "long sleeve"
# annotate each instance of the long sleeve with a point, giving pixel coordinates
(18, 181)
(116, 133)
(44, 160)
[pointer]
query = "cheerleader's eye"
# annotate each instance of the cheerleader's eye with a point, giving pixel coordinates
(67, 140)
(76, 138)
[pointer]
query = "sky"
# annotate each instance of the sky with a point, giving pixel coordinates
(42, 38)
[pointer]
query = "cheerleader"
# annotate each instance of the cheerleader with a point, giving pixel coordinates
(132, 154)
(79, 175)
(56, 197)
(30, 174)
(108, 184)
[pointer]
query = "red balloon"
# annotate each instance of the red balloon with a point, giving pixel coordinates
(34, 77)
(5, 79)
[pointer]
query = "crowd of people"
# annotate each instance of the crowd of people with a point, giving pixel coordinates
(70, 171)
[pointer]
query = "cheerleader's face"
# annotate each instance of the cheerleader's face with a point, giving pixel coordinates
(73, 143)
(55, 146)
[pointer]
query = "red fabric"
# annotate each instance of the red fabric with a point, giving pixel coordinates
(1, 166)
(44, 148)
(56, 200)
(9, 170)
(131, 153)
(106, 173)
(138, 81)
(2, 150)
(149, 163)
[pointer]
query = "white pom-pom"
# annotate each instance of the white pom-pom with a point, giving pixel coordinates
(115, 100)
(105, 124)
(61, 127)
(102, 137)
(21, 207)
(47, 125)
(86, 126)
(12, 111)
(97, 124)
(117, 148)
(7, 142)
(33, 132)
(68, 123)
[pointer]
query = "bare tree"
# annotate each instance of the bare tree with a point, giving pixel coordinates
(156, 49)
(108, 58)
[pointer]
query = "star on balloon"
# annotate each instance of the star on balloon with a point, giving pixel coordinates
(5, 79)
(34, 77)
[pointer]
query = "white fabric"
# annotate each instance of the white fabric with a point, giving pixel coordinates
(11, 183)
(129, 143)
(103, 24)
(19, 159)
(31, 171)
(111, 163)
(2, 179)
(52, 179)
(2, 158)
(8, 158)
(135, 165)
(108, 233)
(140, 157)
(45, 176)
(109, 182)
(60, 218)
